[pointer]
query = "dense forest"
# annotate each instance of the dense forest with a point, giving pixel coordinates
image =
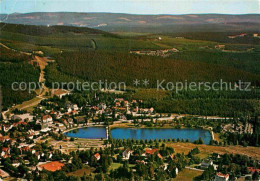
(247, 61)
(15, 68)
(123, 67)
(8, 55)
(44, 30)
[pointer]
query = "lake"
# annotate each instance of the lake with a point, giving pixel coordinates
(142, 133)
(89, 132)
(161, 133)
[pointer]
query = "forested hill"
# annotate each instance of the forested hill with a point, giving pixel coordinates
(142, 23)
(45, 30)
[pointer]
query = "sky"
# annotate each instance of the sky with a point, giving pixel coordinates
(133, 6)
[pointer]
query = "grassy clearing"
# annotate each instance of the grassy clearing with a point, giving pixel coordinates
(187, 175)
(27, 104)
(117, 165)
(206, 150)
(80, 172)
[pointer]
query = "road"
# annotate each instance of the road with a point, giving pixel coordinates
(41, 62)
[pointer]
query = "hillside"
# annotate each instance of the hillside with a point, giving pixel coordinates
(87, 54)
(139, 23)
(44, 30)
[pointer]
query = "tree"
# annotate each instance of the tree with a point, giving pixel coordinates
(255, 175)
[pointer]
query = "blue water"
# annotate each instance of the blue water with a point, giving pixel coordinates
(142, 133)
(150, 133)
(90, 133)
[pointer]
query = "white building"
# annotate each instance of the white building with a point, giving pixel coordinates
(127, 154)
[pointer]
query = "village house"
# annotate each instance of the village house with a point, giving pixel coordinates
(150, 151)
(206, 163)
(126, 154)
(97, 156)
(47, 118)
(5, 151)
(220, 46)
(221, 177)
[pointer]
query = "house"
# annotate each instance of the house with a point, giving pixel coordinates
(160, 156)
(51, 166)
(47, 118)
(150, 151)
(252, 170)
(171, 156)
(220, 46)
(97, 156)
(69, 110)
(221, 177)
(3, 174)
(5, 151)
(141, 161)
(255, 35)
(75, 107)
(74, 112)
(206, 163)
(38, 52)
(127, 154)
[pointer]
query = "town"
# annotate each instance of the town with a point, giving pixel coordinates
(35, 146)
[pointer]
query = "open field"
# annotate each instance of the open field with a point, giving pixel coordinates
(187, 175)
(80, 172)
(206, 150)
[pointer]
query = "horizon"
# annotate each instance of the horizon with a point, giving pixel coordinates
(129, 13)
(139, 7)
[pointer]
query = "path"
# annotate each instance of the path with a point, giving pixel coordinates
(196, 169)
(41, 62)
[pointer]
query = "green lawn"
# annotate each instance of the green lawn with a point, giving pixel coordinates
(187, 175)
(117, 165)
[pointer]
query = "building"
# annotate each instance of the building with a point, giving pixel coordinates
(127, 154)
(252, 170)
(97, 156)
(3, 174)
(221, 177)
(150, 151)
(220, 46)
(47, 118)
(206, 163)
(51, 166)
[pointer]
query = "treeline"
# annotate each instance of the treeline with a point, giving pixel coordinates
(218, 107)
(17, 72)
(44, 30)
(8, 55)
(123, 67)
(220, 37)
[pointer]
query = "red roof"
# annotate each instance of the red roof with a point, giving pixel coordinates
(160, 156)
(171, 156)
(46, 117)
(97, 155)
(252, 169)
(5, 149)
(25, 148)
(222, 175)
(52, 166)
(19, 123)
(151, 151)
